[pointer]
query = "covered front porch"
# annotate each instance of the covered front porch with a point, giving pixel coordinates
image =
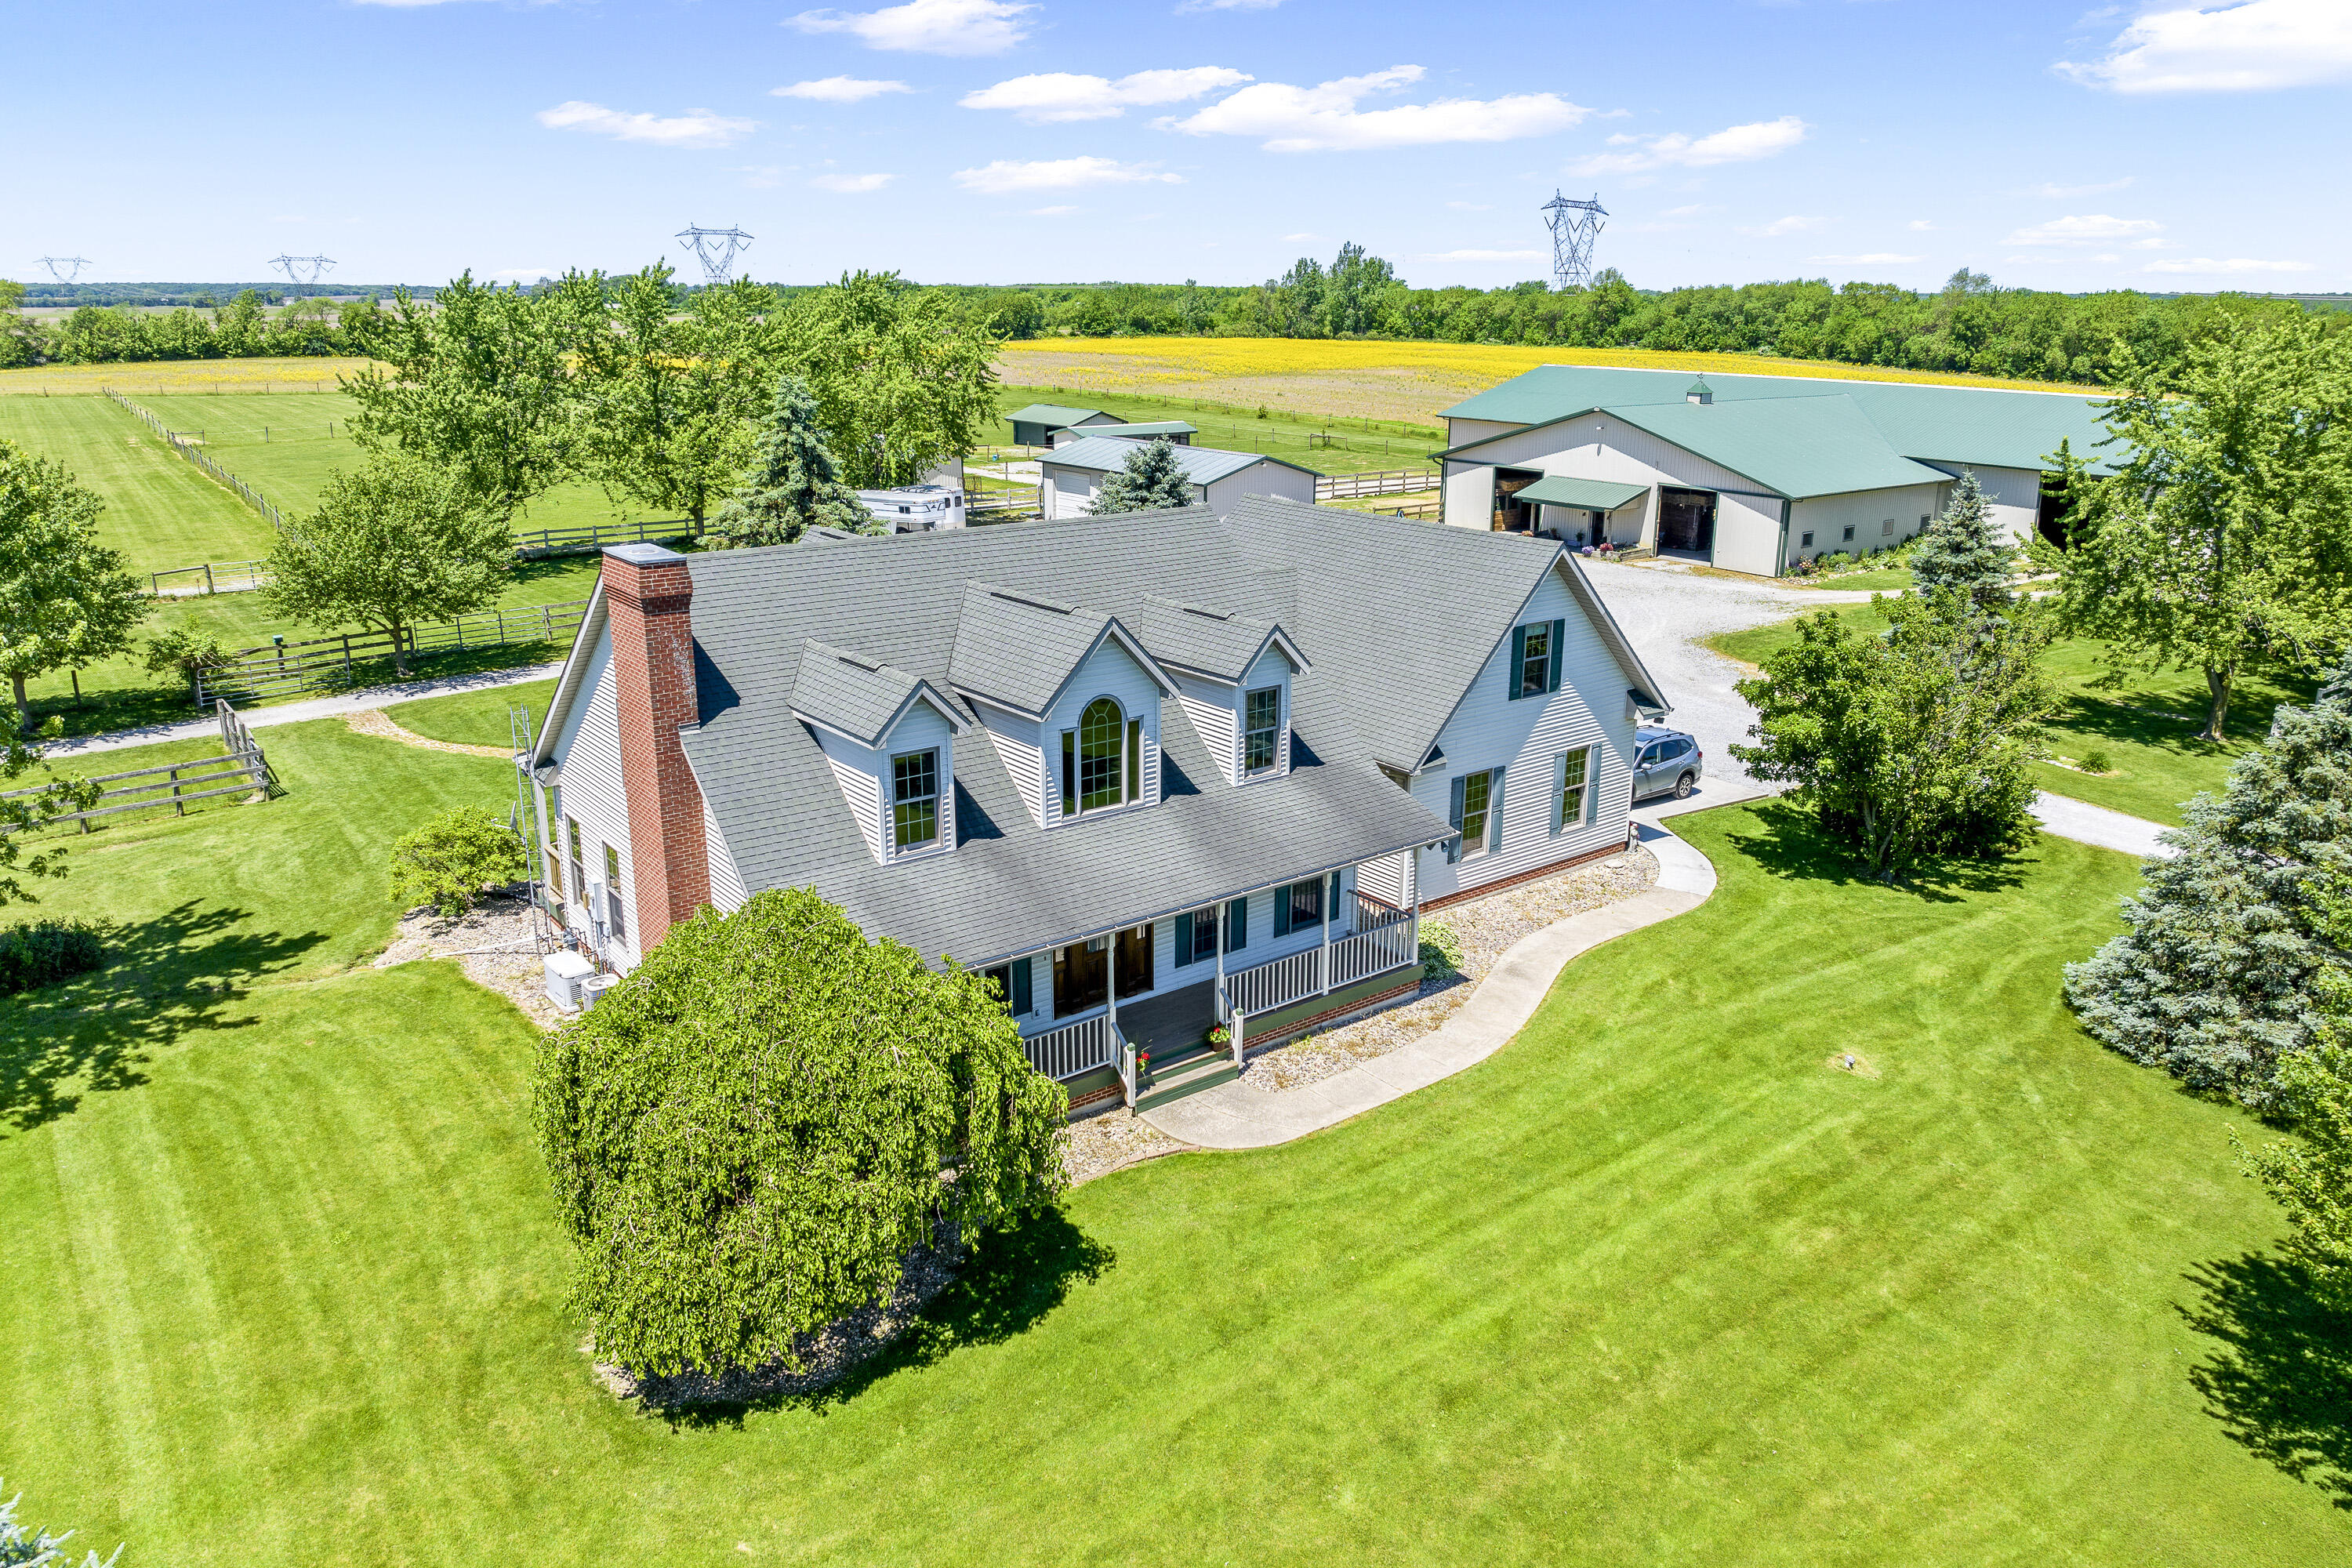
(1136, 1008)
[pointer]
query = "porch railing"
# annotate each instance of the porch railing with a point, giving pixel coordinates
(1073, 1048)
(1368, 953)
(1277, 984)
(1391, 943)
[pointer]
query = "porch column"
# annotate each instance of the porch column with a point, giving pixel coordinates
(1111, 954)
(1323, 963)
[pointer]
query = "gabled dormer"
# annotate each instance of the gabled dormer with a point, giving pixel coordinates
(1233, 674)
(890, 737)
(1069, 696)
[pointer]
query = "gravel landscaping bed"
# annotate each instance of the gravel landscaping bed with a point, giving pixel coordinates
(1112, 1141)
(493, 945)
(1487, 928)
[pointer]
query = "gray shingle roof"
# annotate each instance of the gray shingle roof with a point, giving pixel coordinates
(1400, 616)
(859, 696)
(1201, 465)
(1216, 642)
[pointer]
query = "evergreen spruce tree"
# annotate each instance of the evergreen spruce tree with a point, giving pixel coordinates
(2222, 973)
(1151, 481)
(793, 484)
(1966, 551)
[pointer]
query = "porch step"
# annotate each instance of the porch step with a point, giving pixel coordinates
(1192, 1075)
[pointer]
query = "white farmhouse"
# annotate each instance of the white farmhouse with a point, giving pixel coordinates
(1751, 473)
(1150, 777)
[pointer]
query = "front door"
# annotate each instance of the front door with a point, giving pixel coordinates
(1134, 961)
(1081, 976)
(1686, 520)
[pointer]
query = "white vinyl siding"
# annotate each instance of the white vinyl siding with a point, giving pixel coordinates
(1108, 672)
(727, 894)
(1211, 709)
(863, 775)
(1016, 742)
(590, 791)
(1525, 738)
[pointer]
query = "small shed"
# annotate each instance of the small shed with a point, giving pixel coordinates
(1035, 424)
(1176, 430)
(1072, 475)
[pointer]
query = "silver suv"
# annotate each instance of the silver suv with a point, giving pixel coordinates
(1669, 763)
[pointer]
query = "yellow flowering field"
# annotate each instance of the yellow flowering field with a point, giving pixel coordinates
(302, 374)
(1408, 381)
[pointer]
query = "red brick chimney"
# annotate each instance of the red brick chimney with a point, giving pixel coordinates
(648, 599)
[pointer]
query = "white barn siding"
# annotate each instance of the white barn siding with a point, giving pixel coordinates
(2012, 495)
(1747, 533)
(1867, 511)
(1260, 479)
(1525, 738)
(1066, 492)
(1592, 447)
(1459, 432)
(589, 790)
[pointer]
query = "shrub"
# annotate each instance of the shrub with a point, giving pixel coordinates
(448, 861)
(751, 1131)
(41, 953)
(1441, 951)
(2096, 761)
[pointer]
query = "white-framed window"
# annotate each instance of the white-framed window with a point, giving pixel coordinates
(1849, 535)
(1102, 759)
(1477, 814)
(578, 861)
(617, 919)
(1806, 543)
(1574, 806)
(1260, 729)
(914, 800)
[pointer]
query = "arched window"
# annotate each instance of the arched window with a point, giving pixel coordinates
(1102, 745)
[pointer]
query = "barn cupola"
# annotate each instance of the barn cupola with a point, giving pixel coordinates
(1699, 392)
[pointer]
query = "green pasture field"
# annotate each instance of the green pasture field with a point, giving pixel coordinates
(2147, 727)
(161, 512)
(473, 717)
(1356, 443)
(1658, 1283)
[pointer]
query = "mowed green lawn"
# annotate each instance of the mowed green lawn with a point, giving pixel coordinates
(474, 718)
(161, 512)
(2147, 728)
(1654, 1284)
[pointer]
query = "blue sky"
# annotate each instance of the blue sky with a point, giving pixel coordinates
(2185, 146)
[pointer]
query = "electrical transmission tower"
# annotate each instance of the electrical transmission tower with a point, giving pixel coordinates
(64, 268)
(716, 248)
(302, 268)
(1574, 227)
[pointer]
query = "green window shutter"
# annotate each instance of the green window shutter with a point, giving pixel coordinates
(1185, 939)
(1518, 665)
(1023, 999)
(1453, 844)
(1135, 758)
(1558, 635)
(1559, 792)
(1069, 772)
(1236, 925)
(1495, 813)
(1281, 911)
(1331, 900)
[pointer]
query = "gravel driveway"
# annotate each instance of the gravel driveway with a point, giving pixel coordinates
(1668, 613)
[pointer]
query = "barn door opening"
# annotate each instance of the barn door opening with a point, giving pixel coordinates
(1686, 522)
(2050, 516)
(1510, 516)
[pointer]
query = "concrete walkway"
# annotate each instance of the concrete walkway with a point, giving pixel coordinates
(2088, 824)
(1235, 1116)
(296, 712)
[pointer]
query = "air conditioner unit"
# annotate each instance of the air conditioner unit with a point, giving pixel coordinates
(593, 989)
(567, 972)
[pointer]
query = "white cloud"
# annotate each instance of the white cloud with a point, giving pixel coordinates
(1061, 96)
(2235, 264)
(2092, 228)
(2060, 193)
(1733, 145)
(1051, 212)
(1921, 226)
(1792, 223)
(1874, 259)
(851, 184)
(2224, 48)
(1485, 256)
(929, 27)
(1325, 118)
(1005, 174)
(839, 89)
(695, 128)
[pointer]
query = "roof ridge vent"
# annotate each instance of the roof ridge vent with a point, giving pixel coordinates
(1035, 602)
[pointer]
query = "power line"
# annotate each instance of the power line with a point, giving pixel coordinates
(64, 268)
(715, 249)
(302, 268)
(1574, 227)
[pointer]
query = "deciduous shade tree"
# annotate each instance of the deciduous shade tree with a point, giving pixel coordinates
(1149, 480)
(2311, 1175)
(480, 383)
(1908, 745)
(394, 544)
(793, 484)
(65, 600)
(2216, 977)
(24, 808)
(904, 379)
(448, 861)
(749, 1133)
(2219, 541)
(1966, 553)
(666, 398)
